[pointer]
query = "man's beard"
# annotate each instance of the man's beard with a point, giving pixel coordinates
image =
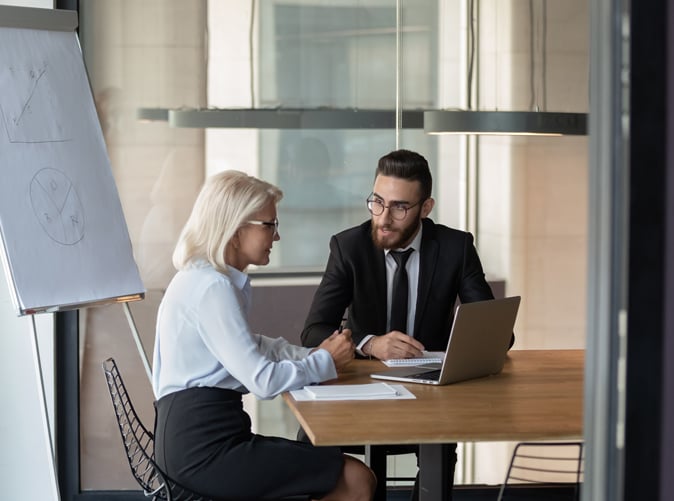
(403, 236)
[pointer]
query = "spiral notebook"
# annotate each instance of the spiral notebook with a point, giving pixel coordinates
(477, 347)
(427, 357)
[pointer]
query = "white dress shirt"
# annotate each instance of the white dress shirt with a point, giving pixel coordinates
(412, 267)
(203, 339)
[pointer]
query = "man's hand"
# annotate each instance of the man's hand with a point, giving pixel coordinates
(395, 344)
(341, 347)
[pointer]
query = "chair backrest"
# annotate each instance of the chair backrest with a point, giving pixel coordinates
(139, 444)
(557, 466)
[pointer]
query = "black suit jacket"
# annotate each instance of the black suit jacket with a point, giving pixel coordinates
(355, 278)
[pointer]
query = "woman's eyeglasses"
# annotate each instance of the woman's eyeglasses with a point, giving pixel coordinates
(269, 224)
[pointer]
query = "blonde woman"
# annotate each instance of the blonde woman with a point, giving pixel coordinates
(206, 358)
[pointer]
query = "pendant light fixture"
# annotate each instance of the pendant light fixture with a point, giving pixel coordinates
(293, 118)
(513, 123)
(254, 117)
(152, 114)
(527, 123)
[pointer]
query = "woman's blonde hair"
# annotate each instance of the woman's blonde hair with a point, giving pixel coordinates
(226, 201)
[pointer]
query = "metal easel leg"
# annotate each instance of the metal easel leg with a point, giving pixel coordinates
(139, 343)
(45, 412)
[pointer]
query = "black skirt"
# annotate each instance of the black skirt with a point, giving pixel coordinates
(203, 440)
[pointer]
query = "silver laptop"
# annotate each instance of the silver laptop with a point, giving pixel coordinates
(477, 347)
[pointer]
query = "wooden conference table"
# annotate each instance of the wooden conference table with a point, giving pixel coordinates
(537, 396)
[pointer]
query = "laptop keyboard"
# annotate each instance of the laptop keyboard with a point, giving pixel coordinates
(430, 375)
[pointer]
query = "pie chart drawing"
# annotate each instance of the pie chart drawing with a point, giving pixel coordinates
(57, 206)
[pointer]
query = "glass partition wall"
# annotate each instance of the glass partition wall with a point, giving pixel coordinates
(524, 198)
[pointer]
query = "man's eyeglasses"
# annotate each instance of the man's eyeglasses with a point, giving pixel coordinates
(269, 224)
(398, 210)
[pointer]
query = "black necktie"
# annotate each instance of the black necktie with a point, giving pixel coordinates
(400, 291)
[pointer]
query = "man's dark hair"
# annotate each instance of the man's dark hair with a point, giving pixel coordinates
(408, 165)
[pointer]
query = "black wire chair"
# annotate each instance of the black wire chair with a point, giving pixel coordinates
(139, 444)
(554, 467)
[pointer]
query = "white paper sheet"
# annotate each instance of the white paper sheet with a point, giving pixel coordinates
(371, 391)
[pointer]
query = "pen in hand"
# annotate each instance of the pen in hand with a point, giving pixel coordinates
(341, 325)
(340, 345)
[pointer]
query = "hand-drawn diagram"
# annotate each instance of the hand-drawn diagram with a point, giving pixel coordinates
(29, 105)
(57, 206)
(66, 243)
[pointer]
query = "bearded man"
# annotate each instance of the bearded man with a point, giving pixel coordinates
(442, 266)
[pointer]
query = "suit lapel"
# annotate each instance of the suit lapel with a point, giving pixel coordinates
(427, 265)
(379, 267)
(374, 277)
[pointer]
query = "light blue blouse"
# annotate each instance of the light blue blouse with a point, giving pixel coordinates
(203, 339)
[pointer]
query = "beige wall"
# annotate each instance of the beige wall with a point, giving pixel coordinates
(139, 54)
(533, 195)
(533, 192)
(531, 204)
(533, 200)
(149, 54)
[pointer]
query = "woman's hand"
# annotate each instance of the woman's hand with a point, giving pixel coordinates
(341, 347)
